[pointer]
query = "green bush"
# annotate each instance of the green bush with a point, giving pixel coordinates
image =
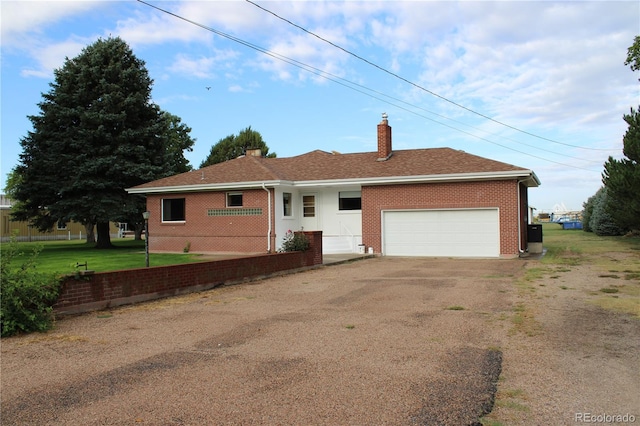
(26, 295)
(601, 221)
(295, 241)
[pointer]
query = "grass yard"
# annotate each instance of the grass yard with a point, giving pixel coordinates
(61, 257)
(616, 258)
(569, 245)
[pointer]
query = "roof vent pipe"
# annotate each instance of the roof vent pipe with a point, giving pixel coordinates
(384, 139)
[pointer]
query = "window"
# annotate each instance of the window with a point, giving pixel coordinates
(309, 205)
(234, 199)
(286, 203)
(350, 200)
(62, 225)
(173, 210)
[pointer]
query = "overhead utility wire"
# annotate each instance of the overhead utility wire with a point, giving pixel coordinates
(419, 86)
(336, 79)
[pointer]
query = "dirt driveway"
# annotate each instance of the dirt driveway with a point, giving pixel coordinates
(384, 341)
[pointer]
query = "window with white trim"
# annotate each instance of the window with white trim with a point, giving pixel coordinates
(173, 210)
(350, 200)
(234, 199)
(286, 204)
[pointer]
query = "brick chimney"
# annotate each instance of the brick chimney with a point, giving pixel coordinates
(384, 139)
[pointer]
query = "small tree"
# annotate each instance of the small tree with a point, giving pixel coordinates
(27, 296)
(601, 222)
(587, 212)
(234, 146)
(622, 177)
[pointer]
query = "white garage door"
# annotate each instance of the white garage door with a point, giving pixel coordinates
(455, 233)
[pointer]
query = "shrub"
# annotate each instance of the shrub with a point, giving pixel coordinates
(294, 241)
(27, 296)
(601, 221)
(587, 212)
(597, 217)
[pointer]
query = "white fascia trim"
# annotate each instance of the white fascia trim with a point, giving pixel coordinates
(527, 174)
(206, 187)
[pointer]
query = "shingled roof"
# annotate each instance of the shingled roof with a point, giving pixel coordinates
(319, 167)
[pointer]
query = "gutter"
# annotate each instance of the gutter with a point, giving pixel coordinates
(269, 214)
(527, 176)
(202, 187)
(520, 217)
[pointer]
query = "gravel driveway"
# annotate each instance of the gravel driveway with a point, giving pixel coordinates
(385, 341)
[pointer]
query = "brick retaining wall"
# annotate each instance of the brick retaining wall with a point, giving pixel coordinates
(107, 289)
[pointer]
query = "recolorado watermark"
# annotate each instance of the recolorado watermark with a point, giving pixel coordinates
(604, 418)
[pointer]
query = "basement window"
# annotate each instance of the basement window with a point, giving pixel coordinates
(350, 200)
(173, 210)
(234, 199)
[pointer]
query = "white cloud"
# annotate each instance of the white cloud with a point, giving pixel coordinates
(203, 67)
(150, 27)
(23, 17)
(175, 98)
(236, 88)
(52, 56)
(25, 22)
(541, 65)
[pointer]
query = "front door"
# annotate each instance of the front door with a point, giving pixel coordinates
(309, 215)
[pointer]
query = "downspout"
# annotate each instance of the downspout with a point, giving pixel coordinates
(520, 218)
(269, 228)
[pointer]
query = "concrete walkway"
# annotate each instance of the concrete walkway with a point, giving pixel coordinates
(328, 259)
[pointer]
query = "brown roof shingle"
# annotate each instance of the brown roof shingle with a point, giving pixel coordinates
(320, 165)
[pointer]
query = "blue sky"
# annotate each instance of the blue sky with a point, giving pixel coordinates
(551, 75)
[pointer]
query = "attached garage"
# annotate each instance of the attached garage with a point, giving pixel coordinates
(441, 232)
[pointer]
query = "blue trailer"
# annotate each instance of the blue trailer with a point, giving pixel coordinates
(572, 225)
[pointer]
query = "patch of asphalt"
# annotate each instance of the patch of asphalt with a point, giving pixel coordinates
(40, 404)
(464, 393)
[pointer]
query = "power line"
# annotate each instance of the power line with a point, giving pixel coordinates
(417, 85)
(361, 89)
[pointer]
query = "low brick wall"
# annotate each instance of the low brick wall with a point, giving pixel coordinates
(108, 289)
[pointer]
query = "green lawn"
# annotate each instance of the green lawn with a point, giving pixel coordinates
(565, 245)
(62, 256)
(615, 259)
(569, 246)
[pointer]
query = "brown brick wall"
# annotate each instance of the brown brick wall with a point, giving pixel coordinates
(236, 234)
(107, 289)
(497, 194)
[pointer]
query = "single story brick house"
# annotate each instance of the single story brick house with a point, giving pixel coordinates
(417, 202)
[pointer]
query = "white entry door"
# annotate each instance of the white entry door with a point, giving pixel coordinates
(309, 214)
(438, 233)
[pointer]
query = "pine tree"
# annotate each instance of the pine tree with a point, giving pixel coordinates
(622, 177)
(234, 146)
(97, 133)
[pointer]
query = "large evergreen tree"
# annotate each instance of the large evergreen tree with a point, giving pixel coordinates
(97, 133)
(234, 146)
(177, 140)
(622, 177)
